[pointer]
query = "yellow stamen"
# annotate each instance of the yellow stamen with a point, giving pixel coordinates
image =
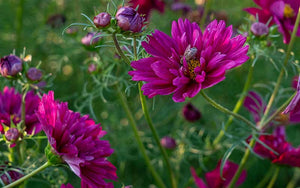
(288, 12)
(192, 65)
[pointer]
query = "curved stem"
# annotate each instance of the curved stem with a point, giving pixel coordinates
(225, 110)
(124, 57)
(288, 53)
(237, 107)
(275, 175)
(41, 168)
(156, 137)
(242, 164)
(139, 141)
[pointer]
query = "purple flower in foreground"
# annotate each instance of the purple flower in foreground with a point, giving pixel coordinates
(213, 178)
(10, 110)
(191, 113)
(76, 139)
(281, 12)
(10, 65)
(189, 60)
(129, 20)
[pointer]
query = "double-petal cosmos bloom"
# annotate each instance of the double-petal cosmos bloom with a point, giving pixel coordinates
(213, 178)
(11, 109)
(76, 139)
(281, 12)
(189, 60)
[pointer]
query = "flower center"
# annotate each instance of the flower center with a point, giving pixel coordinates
(192, 64)
(288, 12)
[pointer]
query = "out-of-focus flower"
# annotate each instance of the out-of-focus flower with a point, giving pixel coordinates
(56, 20)
(285, 153)
(102, 19)
(76, 140)
(72, 30)
(66, 186)
(92, 68)
(280, 12)
(10, 65)
(189, 60)
(213, 178)
(129, 19)
(34, 74)
(87, 39)
(255, 105)
(146, 6)
(10, 110)
(293, 109)
(10, 175)
(191, 113)
(178, 6)
(259, 29)
(168, 142)
(295, 82)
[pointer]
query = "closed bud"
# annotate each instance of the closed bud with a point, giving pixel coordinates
(10, 65)
(12, 134)
(129, 20)
(87, 39)
(168, 142)
(191, 113)
(34, 74)
(102, 19)
(259, 29)
(92, 68)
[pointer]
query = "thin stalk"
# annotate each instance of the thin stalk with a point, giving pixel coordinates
(19, 27)
(205, 13)
(41, 168)
(275, 175)
(225, 110)
(295, 178)
(156, 137)
(124, 57)
(134, 48)
(279, 79)
(139, 141)
(237, 107)
(242, 164)
(263, 182)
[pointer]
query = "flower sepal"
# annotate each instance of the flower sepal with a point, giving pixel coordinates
(52, 157)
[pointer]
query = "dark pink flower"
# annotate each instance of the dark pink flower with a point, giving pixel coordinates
(281, 12)
(191, 113)
(146, 6)
(295, 82)
(66, 186)
(76, 139)
(189, 60)
(213, 178)
(10, 110)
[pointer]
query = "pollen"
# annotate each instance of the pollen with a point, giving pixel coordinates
(192, 65)
(288, 12)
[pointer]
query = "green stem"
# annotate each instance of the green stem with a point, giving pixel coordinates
(124, 57)
(41, 168)
(279, 79)
(205, 13)
(134, 48)
(139, 141)
(275, 175)
(263, 182)
(242, 164)
(156, 137)
(19, 24)
(294, 179)
(225, 110)
(237, 107)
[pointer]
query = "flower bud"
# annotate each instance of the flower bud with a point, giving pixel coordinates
(72, 30)
(34, 74)
(129, 20)
(102, 19)
(10, 65)
(92, 68)
(168, 142)
(86, 40)
(259, 29)
(12, 134)
(191, 113)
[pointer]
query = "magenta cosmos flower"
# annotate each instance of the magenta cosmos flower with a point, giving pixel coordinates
(213, 178)
(146, 6)
(189, 60)
(11, 107)
(76, 139)
(281, 12)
